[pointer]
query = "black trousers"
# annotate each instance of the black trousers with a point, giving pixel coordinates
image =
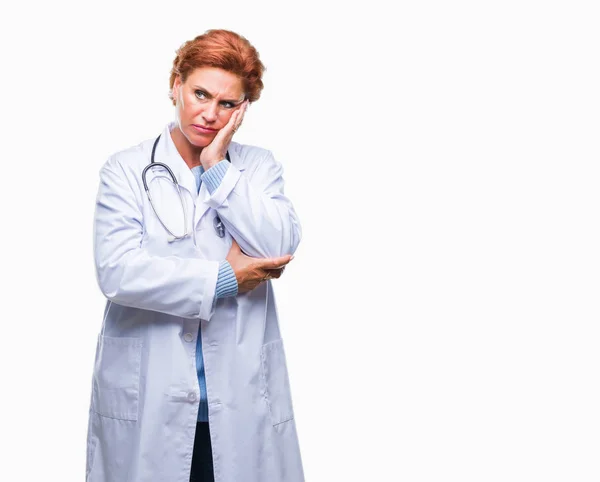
(202, 462)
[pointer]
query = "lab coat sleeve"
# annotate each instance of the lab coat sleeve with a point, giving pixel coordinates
(127, 274)
(254, 209)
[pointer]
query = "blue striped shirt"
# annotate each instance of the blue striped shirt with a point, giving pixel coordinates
(226, 281)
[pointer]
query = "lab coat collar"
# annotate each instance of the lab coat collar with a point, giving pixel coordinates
(167, 153)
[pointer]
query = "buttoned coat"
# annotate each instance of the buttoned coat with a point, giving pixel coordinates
(161, 296)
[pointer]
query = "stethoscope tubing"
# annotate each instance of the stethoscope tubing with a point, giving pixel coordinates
(217, 225)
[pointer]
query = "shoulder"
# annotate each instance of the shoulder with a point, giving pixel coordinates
(123, 168)
(249, 152)
(249, 157)
(132, 158)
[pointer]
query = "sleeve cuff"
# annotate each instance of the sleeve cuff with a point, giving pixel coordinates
(226, 282)
(215, 175)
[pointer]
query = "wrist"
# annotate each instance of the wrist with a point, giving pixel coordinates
(213, 160)
(227, 283)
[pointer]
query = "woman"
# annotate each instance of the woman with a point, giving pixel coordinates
(190, 380)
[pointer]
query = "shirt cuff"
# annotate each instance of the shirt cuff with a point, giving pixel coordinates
(215, 175)
(227, 284)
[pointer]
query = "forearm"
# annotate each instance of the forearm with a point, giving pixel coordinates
(256, 212)
(172, 285)
(130, 275)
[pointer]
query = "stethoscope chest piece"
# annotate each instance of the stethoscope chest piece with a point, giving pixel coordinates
(219, 228)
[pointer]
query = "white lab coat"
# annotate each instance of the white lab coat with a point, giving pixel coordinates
(161, 296)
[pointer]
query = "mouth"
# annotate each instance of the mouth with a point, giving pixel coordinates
(203, 130)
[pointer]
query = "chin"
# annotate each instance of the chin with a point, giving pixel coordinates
(198, 140)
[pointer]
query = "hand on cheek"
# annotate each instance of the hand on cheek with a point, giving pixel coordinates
(217, 149)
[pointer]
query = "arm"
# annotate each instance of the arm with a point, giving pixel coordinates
(127, 274)
(253, 207)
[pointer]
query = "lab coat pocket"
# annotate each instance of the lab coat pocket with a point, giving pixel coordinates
(117, 377)
(276, 385)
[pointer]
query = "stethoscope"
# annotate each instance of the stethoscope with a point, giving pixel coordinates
(217, 223)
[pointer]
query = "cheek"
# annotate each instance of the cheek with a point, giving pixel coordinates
(188, 110)
(224, 118)
(227, 115)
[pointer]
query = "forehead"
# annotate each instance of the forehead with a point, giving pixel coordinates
(217, 82)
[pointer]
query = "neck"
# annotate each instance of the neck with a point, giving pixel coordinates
(189, 153)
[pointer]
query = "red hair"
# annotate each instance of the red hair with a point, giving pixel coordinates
(225, 50)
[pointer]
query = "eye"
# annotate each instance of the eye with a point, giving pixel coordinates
(228, 105)
(201, 95)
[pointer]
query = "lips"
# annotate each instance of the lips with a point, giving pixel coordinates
(203, 130)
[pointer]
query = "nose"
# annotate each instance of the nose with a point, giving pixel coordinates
(211, 112)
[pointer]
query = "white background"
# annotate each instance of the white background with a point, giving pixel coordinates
(441, 314)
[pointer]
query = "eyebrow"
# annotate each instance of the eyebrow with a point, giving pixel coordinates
(233, 101)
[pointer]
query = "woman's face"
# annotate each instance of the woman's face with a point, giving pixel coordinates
(205, 102)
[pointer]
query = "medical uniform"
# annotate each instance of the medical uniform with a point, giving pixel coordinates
(162, 295)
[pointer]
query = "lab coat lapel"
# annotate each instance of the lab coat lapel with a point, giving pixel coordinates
(167, 153)
(202, 203)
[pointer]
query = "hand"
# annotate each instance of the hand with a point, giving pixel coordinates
(250, 272)
(217, 149)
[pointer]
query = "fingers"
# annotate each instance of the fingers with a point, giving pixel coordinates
(273, 273)
(276, 263)
(260, 272)
(270, 274)
(274, 267)
(238, 116)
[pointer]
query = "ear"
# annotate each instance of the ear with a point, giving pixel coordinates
(176, 87)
